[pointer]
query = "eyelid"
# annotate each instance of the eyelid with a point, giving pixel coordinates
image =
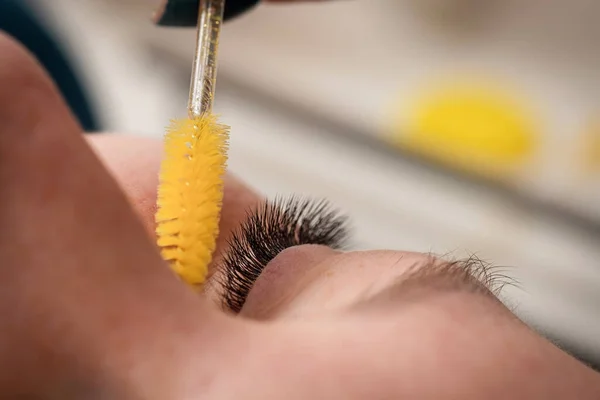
(269, 230)
(284, 278)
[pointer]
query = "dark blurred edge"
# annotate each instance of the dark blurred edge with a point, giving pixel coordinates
(184, 13)
(18, 21)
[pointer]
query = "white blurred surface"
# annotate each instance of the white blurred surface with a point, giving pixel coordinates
(394, 203)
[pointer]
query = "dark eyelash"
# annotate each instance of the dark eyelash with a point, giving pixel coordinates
(270, 229)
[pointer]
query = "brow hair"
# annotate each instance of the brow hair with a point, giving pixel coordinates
(439, 275)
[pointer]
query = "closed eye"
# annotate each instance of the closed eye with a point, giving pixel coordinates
(267, 231)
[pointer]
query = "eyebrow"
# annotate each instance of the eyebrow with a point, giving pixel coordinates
(436, 275)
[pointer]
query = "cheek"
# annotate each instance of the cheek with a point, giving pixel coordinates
(134, 163)
(238, 198)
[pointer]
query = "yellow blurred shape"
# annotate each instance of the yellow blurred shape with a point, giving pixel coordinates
(479, 128)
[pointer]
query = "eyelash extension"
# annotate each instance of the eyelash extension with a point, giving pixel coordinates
(270, 229)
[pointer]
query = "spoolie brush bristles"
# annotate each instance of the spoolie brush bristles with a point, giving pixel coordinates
(190, 195)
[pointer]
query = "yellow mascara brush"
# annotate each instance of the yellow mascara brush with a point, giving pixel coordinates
(190, 192)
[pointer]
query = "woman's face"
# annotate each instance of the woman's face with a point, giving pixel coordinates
(89, 308)
(360, 325)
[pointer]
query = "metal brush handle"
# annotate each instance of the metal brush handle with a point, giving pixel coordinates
(204, 69)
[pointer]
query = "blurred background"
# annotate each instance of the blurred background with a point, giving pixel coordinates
(445, 126)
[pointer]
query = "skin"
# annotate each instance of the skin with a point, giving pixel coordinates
(89, 310)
